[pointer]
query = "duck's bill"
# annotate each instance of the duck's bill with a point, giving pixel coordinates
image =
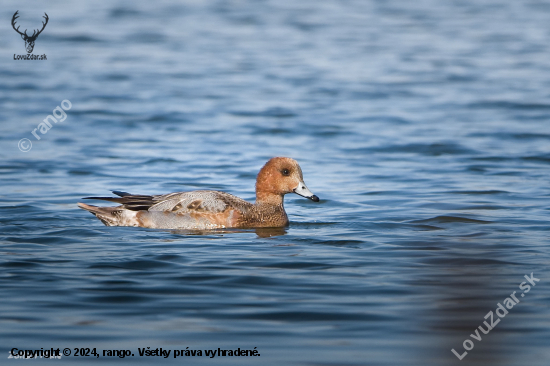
(303, 191)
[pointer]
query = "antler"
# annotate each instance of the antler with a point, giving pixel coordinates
(34, 34)
(15, 16)
(44, 26)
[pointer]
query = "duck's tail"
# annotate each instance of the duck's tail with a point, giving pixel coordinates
(112, 216)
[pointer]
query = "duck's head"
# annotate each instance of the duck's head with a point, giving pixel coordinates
(280, 176)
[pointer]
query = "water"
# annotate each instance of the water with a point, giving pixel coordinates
(423, 128)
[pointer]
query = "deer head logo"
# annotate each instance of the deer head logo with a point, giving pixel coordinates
(29, 40)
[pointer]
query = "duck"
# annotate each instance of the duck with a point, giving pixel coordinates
(208, 209)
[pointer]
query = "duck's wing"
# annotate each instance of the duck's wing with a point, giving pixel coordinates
(179, 202)
(208, 202)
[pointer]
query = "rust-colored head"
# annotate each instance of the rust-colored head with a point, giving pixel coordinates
(278, 177)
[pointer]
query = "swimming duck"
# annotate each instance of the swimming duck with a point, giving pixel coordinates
(203, 210)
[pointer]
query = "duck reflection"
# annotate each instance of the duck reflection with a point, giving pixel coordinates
(266, 232)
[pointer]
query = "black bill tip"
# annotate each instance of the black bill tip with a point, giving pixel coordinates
(314, 198)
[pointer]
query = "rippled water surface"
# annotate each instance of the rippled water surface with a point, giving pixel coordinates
(424, 127)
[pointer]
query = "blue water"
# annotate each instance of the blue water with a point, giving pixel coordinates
(422, 126)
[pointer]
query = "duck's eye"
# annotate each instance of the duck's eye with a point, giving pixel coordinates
(285, 172)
